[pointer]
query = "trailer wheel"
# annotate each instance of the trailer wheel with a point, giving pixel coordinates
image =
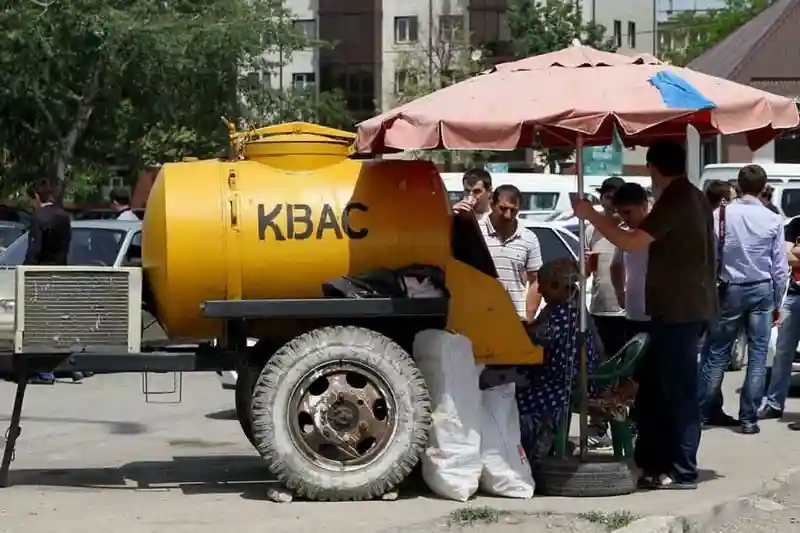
(341, 413)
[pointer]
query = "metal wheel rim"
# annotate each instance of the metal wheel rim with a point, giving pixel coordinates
(322, 425)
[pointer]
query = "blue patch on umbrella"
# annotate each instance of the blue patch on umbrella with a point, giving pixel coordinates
(678, 93)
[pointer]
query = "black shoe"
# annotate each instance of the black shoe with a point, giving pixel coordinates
(750, 429)
(769, 413)
(722, 420)
(794, 426)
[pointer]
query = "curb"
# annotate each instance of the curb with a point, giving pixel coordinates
(717, 514)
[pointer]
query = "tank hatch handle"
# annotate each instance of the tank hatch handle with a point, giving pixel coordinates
(234, 201)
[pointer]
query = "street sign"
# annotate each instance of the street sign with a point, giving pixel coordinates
(496, 167)
(603, 160)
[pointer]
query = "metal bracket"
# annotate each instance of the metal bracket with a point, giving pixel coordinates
(14, 431)
(176, 389)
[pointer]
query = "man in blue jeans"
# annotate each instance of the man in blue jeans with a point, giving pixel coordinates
(680, 297)
(752, 274)
(788, 332)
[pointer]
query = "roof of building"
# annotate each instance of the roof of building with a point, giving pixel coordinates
(725, 59)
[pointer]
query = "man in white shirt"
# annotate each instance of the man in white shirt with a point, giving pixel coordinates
(121, 202)
(514, 249)
(608, 316)
(477, 193)
(629, 269)
(629, 277)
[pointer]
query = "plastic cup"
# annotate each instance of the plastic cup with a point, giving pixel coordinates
(591, 262)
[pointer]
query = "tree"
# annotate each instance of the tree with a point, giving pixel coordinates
(699, 31)
(542, 26)
(442, 57)
(263, 105)
(93, 88)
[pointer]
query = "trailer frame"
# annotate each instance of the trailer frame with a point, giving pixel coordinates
(206, 356)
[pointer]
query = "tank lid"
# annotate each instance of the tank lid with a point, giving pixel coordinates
(277, 138)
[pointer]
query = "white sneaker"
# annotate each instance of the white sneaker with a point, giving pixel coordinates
(600, 442)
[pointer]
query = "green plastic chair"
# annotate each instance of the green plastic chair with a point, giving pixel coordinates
(609, 372)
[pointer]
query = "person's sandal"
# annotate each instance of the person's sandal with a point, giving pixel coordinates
(666, 482)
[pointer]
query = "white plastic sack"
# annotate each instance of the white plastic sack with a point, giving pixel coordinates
(451, 465)
(506, 471)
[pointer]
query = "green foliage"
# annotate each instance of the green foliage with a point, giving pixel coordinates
(444, 59)
(91, 89)
(702, 30)
(542, 26)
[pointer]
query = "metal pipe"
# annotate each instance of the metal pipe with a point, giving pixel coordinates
(280, 82)
(583, 318)
(430, 43)
(655, 28)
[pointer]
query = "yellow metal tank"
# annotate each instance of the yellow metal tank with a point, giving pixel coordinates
(293, 212)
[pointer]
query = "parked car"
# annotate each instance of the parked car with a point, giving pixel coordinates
(9, 232)
(94, 243)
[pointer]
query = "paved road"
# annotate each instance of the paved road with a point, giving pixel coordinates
(781, 515)
(95, 456)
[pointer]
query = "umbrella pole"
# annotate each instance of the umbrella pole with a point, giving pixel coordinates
(583, 319)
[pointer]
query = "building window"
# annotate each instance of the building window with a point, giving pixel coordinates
(708, 151)
(405, 29)
(451, 27)
(631, 34)
(307, 28)
(403, 79)
(303, 80)
(618, 33)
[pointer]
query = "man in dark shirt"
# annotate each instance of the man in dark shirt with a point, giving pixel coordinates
(788, 332)
(766, 199)
(719, 192)
(49, 236)
(681, 298)
(50, 230)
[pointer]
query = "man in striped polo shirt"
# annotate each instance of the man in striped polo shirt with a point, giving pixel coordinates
(515, 251)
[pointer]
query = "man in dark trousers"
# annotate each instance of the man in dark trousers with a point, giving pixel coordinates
(680, 298)
(49, 237)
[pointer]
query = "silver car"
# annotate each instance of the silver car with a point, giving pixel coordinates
(9, 232)
(94, 243)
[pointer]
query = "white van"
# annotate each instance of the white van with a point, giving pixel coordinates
(783, 177)
(776, 172)
(543, 195)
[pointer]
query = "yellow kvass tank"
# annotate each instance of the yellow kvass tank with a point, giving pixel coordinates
(295, 211)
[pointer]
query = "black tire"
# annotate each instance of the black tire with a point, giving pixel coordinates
(243, 398)
(296, 360)
(596, 477)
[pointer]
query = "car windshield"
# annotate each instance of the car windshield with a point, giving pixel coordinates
(89, 246)
(9, 234)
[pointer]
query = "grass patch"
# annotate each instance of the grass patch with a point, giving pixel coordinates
(470, 516)
(613, 521)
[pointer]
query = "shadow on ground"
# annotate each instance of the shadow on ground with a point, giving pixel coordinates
(115, 427)
(224, 414)
(214, 474)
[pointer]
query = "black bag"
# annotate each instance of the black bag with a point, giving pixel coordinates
(383, 282)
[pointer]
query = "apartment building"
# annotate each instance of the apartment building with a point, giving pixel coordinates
(302, 67)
